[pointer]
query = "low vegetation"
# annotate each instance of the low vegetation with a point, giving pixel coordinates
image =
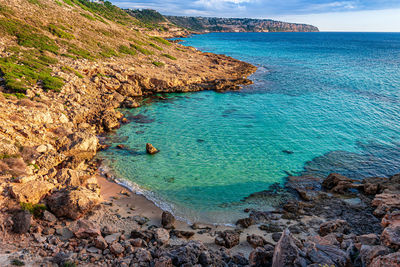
(126, 50)
(142, 50)
(160, 40)
(35, 209)
(169, 56)
(158, 64)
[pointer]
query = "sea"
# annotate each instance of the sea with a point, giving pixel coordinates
(320, 103)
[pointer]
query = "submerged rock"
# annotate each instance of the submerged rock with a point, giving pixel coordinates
(150, 149)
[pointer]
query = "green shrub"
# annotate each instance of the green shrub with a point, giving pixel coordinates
(53, 29)
(69, 56)
(51, 83)
(156, 46)
(160, 40)
(158, 64)
(142, 50)
(48, 60)
(88, 16)
(71, 70)
(17, 262)
(169, 56)
(39, 41)
(107, 51)
(80, 52)
(126, 50)
(68, 2)
(35, 209)
(36, 2)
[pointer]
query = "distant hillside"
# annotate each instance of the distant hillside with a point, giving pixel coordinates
(204, 24)
(177, 25)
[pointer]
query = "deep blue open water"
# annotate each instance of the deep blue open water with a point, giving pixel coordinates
(320, 103)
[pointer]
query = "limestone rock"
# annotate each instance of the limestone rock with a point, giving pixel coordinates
(387, 200)
(261, 257)
(391, 237)
(338, 226)
(389, 260)
(116, 248)
(72, 203)
(150, 149)
(246, 222)
(22, 222)
(338, 183)
(161, 235)
(228, 238)
(287, 253)
(256, 241)
(167, 220)
(48, 216)
(31, 192)
(100, 243)
(368, 253)
(85, 229)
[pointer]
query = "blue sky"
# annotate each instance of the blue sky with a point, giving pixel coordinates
(329, 15)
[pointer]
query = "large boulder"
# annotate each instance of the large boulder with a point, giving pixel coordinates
(287, 252)
(72, 203)
(85, 229)
(391, 237)
(69, 177)
(31, 191)
(386, 202)
(261, 256)
(228, 238)
(80, 146)
(256, 241)
(22, 222)
(368, 253)
(167, 220)
(389, 260)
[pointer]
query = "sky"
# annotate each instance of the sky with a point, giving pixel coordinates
(328, 15)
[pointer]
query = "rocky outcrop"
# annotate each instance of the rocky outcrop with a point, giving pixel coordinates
(31, 191)
(72, 203)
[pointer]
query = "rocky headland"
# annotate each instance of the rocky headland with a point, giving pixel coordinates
(66, 67)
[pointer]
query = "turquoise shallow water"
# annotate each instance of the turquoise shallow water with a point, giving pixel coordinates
(333, 99)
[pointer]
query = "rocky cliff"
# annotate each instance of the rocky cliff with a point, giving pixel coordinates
(204, 24)
(172, 26)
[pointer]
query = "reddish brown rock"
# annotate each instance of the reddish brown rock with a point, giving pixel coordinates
(338, 183)
(228, 238)
(391, 237)
(85, 229)
(338, 226)
(390, 260)
(167, 220)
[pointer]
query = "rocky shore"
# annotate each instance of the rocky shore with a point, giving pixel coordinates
(57, 211)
